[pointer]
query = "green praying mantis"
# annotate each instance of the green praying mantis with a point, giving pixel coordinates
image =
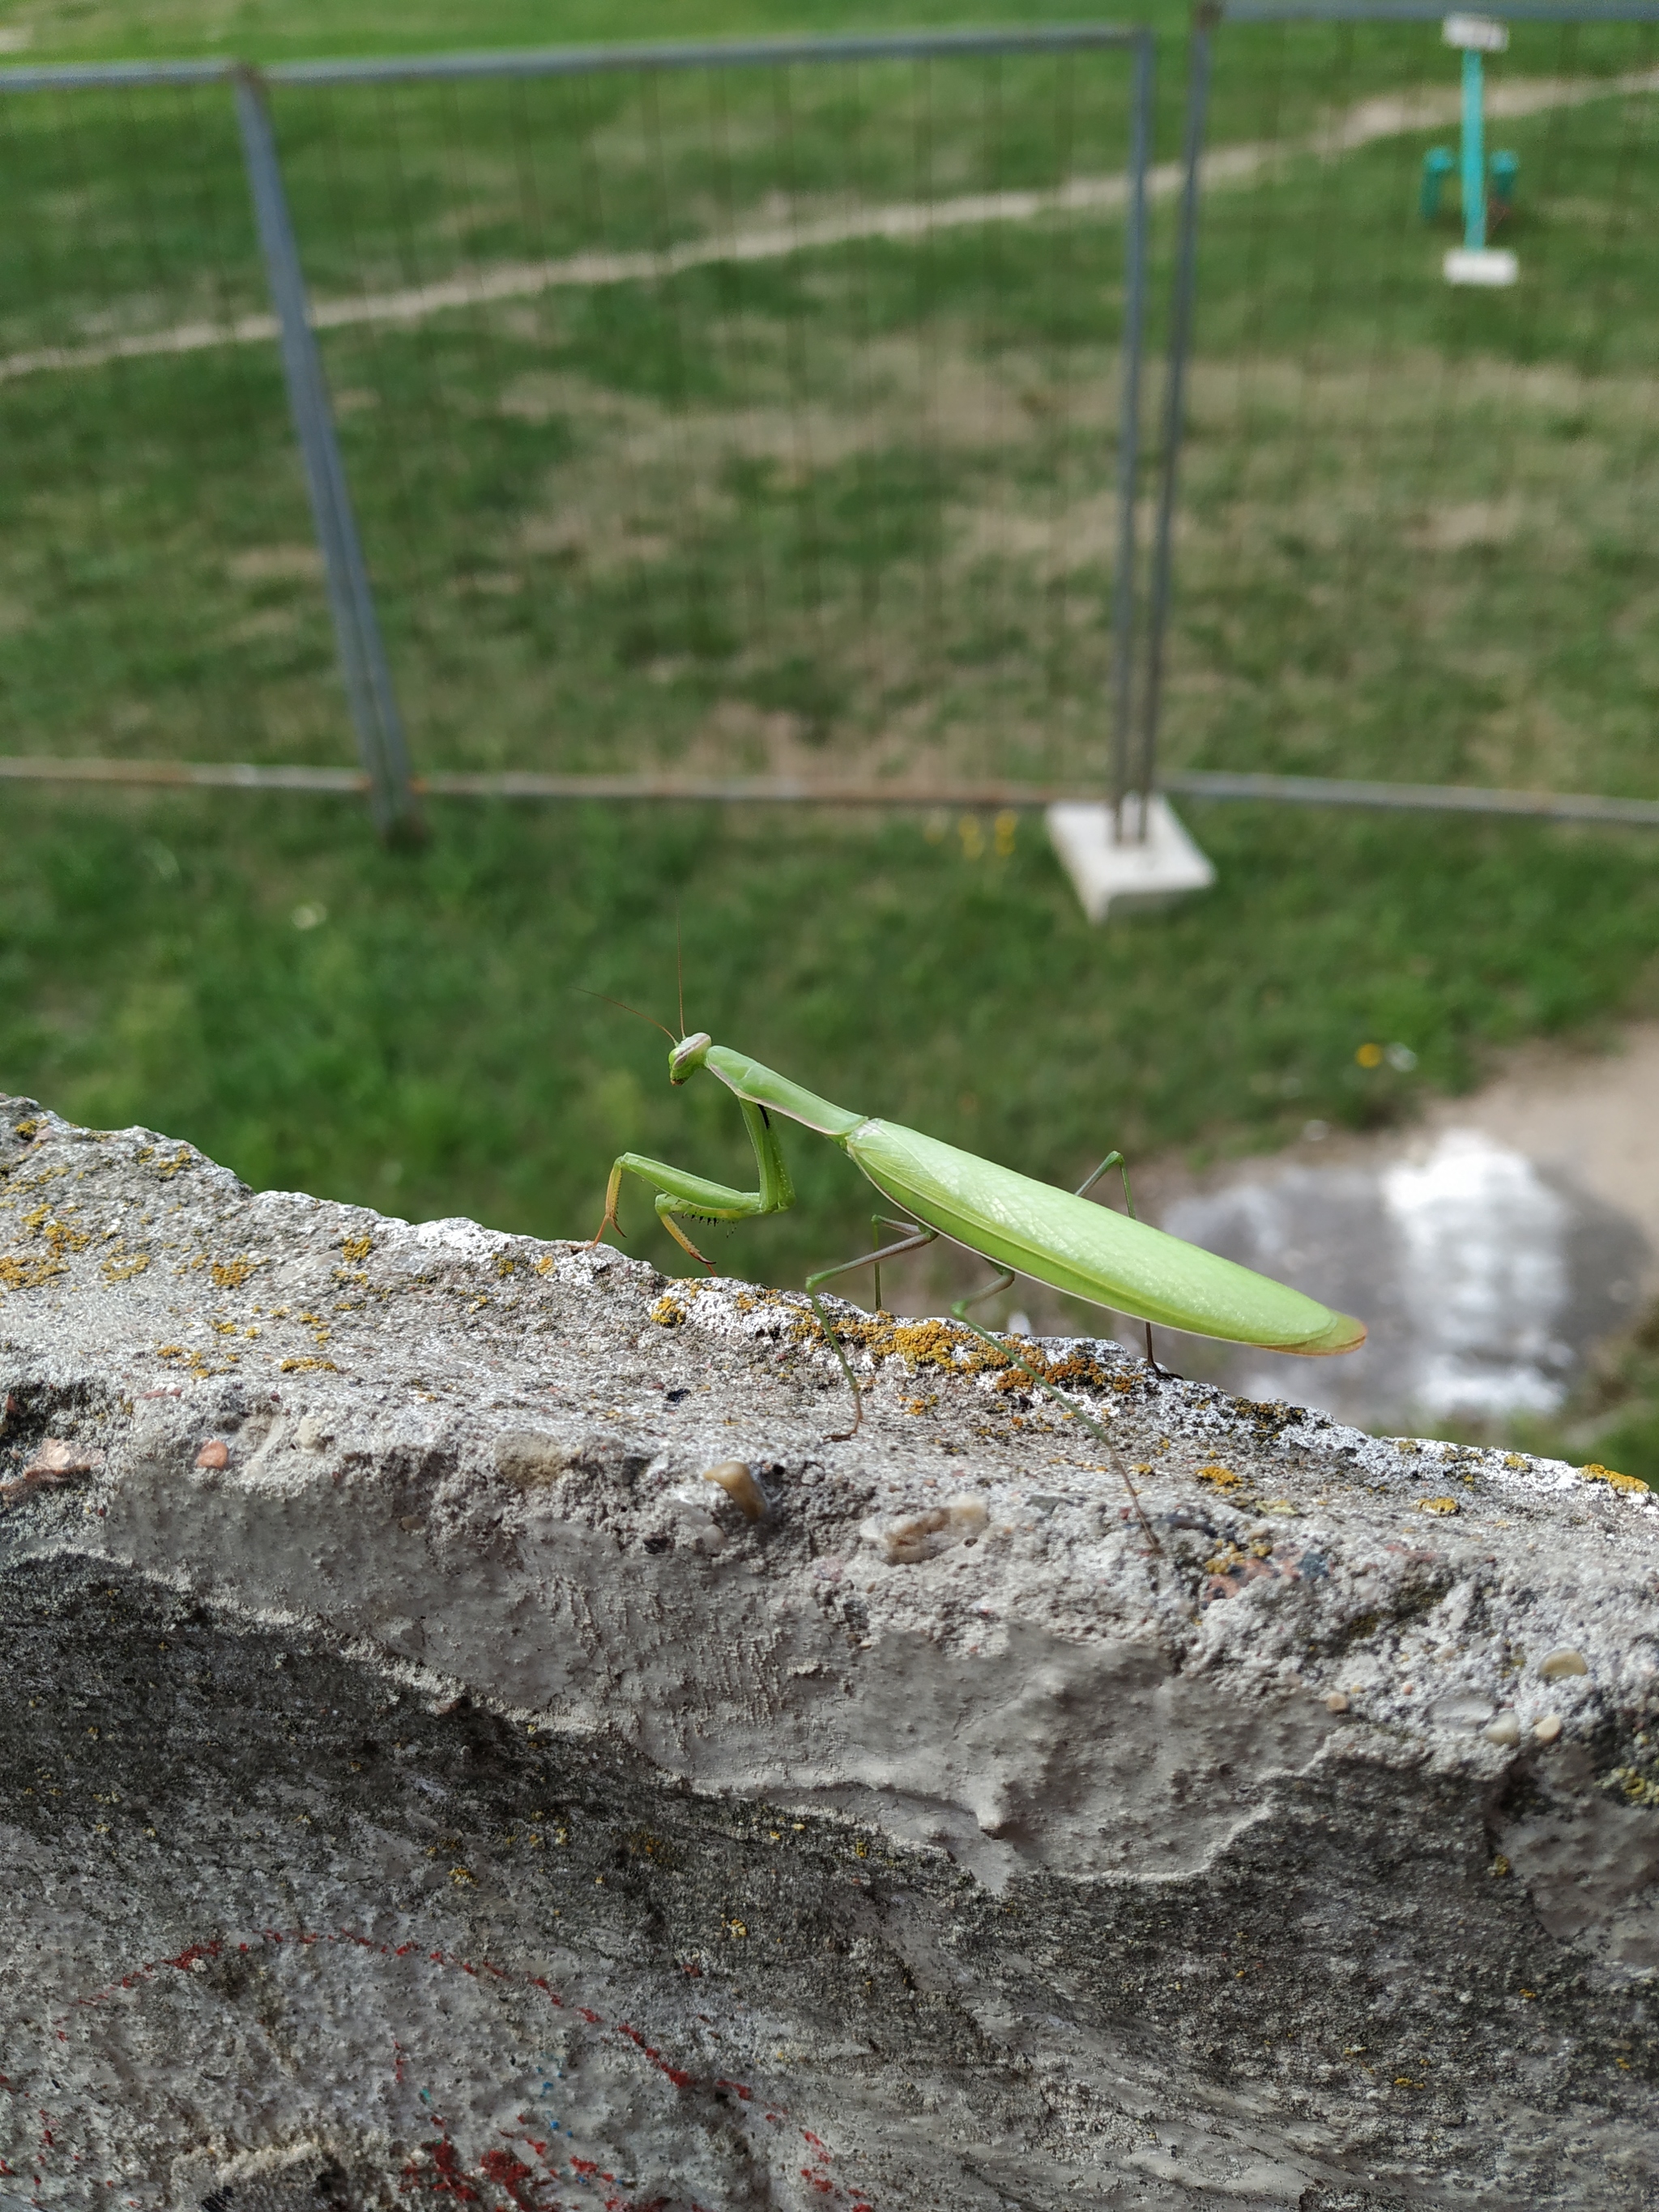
(1024, 1227)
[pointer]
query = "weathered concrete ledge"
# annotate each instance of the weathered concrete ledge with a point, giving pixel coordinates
(419, 1782)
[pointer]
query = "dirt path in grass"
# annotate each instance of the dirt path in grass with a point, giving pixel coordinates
(1595, 1121)
(1397, 115)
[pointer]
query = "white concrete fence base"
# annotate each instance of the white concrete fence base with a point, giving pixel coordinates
(1488, 266)
(1135, 874)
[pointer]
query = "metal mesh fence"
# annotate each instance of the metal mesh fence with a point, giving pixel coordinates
(1413, 541)
(697, 418)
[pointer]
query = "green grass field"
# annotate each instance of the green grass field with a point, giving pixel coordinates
(847, 509)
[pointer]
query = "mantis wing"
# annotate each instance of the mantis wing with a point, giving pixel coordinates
(1088, 1251)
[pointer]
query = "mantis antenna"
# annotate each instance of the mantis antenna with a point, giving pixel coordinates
(637, 1015)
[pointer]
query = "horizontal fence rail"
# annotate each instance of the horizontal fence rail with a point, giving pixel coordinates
(782, 790)
(581, 61)
(1428, 11)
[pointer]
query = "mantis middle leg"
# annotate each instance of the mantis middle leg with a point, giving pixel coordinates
(959, 1312)
(915, 1238)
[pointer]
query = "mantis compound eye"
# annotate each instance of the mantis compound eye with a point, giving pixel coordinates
(688, 1056)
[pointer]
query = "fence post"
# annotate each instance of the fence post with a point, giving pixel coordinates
(1206, 17)
(1129, 458)
(380, 744)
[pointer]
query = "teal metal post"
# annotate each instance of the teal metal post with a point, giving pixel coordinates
(1474, 153)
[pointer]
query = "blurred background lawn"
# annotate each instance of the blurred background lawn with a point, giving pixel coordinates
(407, 1031)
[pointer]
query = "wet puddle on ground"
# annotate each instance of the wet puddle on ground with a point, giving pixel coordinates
(1490, 1250)
(1485, 1277)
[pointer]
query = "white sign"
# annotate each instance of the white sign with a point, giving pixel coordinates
(1481, 34)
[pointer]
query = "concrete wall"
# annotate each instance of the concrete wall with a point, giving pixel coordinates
(419, 1782)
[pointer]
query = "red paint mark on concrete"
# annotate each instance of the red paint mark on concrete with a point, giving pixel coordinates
(187, 1958)
(445, 2176)
(446, 2179)
(512, 2175)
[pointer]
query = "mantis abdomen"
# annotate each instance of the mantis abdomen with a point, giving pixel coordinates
(1087, 1250)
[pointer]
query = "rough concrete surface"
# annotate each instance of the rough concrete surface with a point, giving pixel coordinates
(419, 1784)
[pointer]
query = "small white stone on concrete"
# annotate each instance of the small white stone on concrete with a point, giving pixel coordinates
(1151, 864)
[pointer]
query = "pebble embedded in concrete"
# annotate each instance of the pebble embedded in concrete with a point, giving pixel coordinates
(736, 1478)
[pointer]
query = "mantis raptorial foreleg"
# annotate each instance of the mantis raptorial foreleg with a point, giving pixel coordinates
(680, 1192)
(677, 1192)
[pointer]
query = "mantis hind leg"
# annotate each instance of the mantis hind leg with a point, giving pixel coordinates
(916, 1237)
(978, 1298)
(959, 1312)
(1116, 1160)
(1112, 1160)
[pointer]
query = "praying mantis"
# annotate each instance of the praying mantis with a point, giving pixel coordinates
(1023, 1226)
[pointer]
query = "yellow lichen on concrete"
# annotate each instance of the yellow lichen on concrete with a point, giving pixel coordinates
(29, 1274)
(1596, 1473)
(1220, 1478)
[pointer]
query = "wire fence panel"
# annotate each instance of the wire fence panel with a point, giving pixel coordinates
(732, 421)
(160, 585)
(1414, 541)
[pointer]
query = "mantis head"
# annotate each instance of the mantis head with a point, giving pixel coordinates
(688, 1056)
